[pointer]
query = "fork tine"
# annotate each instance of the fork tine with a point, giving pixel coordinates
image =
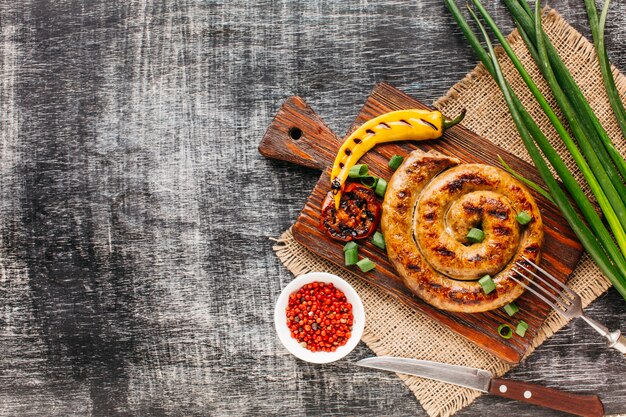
(552, 278)
(561, 295)
(556, 307)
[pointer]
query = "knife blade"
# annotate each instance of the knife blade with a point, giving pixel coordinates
(483, 380)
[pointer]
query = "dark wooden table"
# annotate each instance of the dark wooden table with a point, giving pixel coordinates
(136, 270)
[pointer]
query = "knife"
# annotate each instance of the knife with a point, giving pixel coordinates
(482, 380)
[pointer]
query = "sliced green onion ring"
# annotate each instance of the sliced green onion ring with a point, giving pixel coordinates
(487, 283)
(395, 162)
(511, 308)
(378, 240)
(369, 181)
(505, 331)
(475, 235)
(351, 257)
(358, 171)
(366, 264)
(523, 218)
(350, 245)
(381, 187)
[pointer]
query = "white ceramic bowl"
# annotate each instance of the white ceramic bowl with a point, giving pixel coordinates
(292, 345)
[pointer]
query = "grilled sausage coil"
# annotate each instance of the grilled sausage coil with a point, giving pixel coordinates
(431, 203)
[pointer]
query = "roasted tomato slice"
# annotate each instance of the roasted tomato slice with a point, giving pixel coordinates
(357, 217)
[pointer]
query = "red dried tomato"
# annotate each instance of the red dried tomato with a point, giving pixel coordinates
(320, 317)
(357, 217)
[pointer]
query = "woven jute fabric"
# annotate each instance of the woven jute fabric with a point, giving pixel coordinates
(394, 329)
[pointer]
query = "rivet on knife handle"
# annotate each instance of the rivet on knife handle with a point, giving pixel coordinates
(580, 405)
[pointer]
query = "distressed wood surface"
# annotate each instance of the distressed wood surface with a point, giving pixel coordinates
(561, 250)
(136, 270)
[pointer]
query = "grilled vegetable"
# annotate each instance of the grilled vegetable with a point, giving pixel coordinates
(412, 124)
(357, 216)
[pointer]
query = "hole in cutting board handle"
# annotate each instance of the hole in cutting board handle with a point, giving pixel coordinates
(295, 133)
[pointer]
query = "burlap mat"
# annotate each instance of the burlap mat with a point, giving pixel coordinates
(394, 329)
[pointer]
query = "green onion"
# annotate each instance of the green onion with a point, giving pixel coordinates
(529, 132)
(381, 187)
(358, 171)
(487, 283)
(366, 265)
(350, 245)
(511, 308)
(378, 240)
(521, 328)
(395, 162)
(369, 181)
(526, 181)
(597, 31)
(351, 256)
(505, 331)
(581, 113)
(475, 235)
(523, 217)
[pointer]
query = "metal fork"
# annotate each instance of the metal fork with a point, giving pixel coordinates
(566, 302)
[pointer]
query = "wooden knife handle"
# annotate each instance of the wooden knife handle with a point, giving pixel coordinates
(298, 135)
(580, 405)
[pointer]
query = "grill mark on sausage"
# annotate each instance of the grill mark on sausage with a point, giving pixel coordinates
(498, 214)
(475, 258)
(502, 231)
(471, 209)
(459, 183)
(534, 248)
(443, 251)
(414, 267)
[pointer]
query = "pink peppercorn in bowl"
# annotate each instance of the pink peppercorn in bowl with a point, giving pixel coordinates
(330, 284)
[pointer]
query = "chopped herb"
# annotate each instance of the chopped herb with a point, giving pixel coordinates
(475, 235)
(351, 256)
(505, 331)
(378, 240)
(511, 308)
(366, 265)
(523, 218)
(522, 326)
(381, 187)
(395, 162)
(358, 171)
(487, 283)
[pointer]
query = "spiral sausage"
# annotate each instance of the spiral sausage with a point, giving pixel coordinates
(431, 203)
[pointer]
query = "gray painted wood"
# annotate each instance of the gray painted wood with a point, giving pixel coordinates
(136, 270)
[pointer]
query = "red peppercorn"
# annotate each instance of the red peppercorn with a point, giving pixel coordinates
(319, 317)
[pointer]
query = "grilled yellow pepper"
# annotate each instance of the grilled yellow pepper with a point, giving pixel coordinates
(412, 124)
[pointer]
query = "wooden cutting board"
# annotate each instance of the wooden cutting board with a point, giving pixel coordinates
(298, 135)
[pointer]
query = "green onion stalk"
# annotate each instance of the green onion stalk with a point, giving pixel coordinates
(593, 235)
(597, 31)
(525, 22)
(575, 108)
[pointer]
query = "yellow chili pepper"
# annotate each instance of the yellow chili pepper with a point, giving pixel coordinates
(412, 124)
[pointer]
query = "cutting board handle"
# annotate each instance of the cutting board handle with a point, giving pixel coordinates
(298, 135)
